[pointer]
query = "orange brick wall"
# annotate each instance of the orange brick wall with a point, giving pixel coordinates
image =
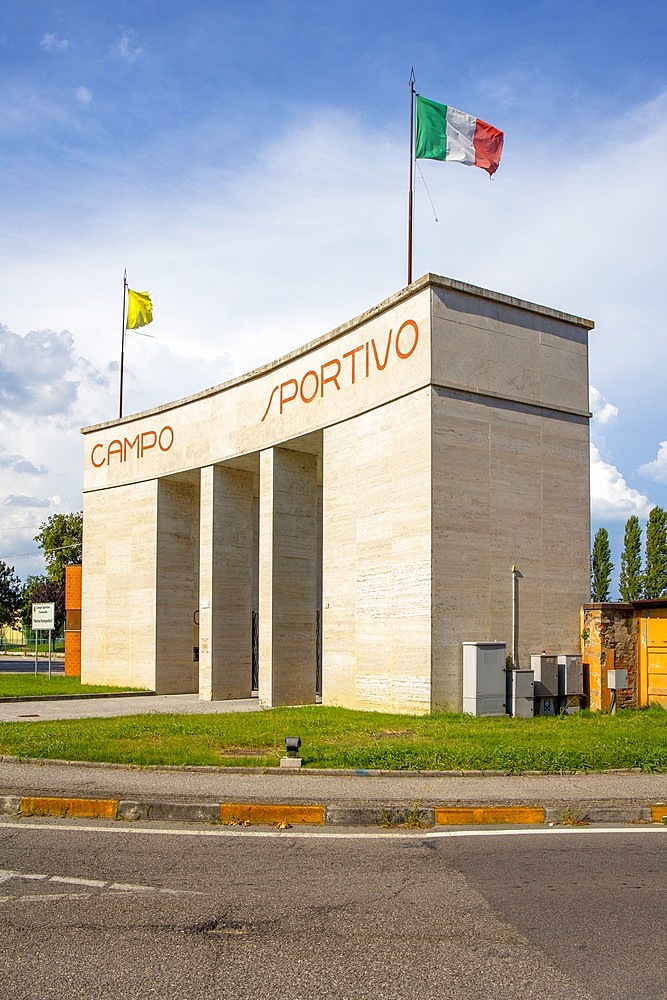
(73, 621)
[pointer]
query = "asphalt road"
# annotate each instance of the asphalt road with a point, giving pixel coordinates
(25, 665)
(167, 913)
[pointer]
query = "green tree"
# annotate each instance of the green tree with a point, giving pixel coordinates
(10, 595)
(631, 582)
(655, 573)
(61, 540)
(41, 590)
(601, 566)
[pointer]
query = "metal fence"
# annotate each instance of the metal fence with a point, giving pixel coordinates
(318, 652)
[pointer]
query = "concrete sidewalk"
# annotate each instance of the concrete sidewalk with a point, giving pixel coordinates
(280, 795)
(110, 705)
(342, 798)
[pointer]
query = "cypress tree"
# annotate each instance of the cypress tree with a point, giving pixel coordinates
(631, 583)
(655, 575)
(601, 566)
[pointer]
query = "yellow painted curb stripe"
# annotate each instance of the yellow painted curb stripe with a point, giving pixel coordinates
(36, 805)
(261, 812)
(470, 815)
(659, 813)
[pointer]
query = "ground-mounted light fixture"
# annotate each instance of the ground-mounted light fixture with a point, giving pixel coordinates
(292, 744)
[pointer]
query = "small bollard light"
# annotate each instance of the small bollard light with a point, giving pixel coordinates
(292, 744)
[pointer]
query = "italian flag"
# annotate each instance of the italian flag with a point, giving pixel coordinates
(443, 133)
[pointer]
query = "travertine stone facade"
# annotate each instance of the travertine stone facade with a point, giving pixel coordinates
(363, 500)
(225, 585)
(288, 562)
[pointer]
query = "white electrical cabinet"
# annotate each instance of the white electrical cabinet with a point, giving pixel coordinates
(484, 678)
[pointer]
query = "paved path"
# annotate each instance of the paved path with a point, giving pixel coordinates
(111, 705)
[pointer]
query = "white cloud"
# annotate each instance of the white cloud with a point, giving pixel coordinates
(603, 412)
(17, 463)
(611, 497)
(83, 95)
(244, 266)
(125, 47)
(53, 43)
(34, 372)
(15, 500)
(48, 392)
(657, 468)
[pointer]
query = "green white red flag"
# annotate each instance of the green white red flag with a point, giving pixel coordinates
(443, 133)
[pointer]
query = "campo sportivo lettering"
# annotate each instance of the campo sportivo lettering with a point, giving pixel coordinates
(119, 451)
(360, 362)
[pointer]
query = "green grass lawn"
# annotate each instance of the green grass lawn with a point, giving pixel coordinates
(27, 685)
(339, 738)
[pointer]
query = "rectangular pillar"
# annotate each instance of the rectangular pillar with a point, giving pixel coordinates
(177, 547)
(73, 620)
(225, 584)
(288, 568)
(377, 559)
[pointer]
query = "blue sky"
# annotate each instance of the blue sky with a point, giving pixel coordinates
(247, 163)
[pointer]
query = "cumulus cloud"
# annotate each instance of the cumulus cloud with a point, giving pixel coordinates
(603, 412)
(14, 500)
(40, 373)
(243, 267)
(657, 468)
(611, 496)
(17, 463)
(83, 95)
(48, 392)
(53, 43)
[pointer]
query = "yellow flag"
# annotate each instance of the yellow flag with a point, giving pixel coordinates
(139, 309)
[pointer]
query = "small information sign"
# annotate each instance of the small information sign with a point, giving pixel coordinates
(43, 616)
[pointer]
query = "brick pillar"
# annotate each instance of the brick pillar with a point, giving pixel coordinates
(73, 621)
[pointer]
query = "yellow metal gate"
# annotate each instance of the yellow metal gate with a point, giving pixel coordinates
(653, 658)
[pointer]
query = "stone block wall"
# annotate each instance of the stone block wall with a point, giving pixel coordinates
(609, 641)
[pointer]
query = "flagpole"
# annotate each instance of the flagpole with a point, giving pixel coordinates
(411, 192)
(122, 346)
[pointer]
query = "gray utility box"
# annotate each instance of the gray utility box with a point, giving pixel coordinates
(484, 678)
(570, 675)
(521, 693)
(546, 706)
(546, 675)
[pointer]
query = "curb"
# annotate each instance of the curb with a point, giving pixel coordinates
(409, 816)
(286, 772)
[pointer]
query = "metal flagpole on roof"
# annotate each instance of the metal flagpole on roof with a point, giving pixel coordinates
(411, 192)
(122, 345)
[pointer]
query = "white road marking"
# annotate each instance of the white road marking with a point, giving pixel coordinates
(44, 898)
(95, 883)
(430, 834)
(88, 883)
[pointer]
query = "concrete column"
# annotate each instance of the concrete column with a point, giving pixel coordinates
(288, 568)
(225, 584)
